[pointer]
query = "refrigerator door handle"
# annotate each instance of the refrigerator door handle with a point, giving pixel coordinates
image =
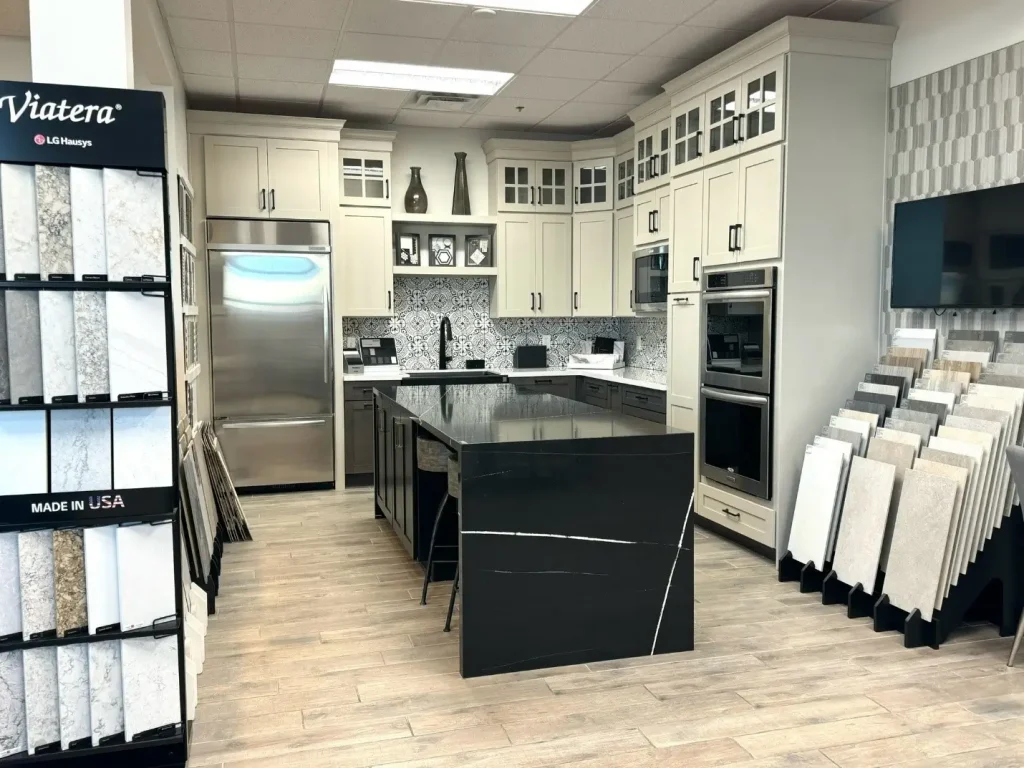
(264, 424)
(327, 335)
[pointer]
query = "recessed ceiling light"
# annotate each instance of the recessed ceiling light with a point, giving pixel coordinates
(550, 7)
(413, 77)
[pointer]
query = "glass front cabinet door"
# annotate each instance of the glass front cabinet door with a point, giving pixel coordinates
(663, 160)
(516, 190)
(366, 179)
(688, 137)
(644, 153)
(763, 104)
(554, 193)
(722, 118)
(593, 184)
(625, 179)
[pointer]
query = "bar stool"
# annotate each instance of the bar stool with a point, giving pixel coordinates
(433, 456)
(454, 489)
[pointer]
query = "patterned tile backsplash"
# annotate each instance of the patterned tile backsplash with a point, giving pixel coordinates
(957, 130)
(421, 302)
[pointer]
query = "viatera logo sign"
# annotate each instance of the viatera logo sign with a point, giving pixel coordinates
(54, 110)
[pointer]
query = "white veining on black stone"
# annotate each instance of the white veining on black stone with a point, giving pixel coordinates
(53, 214)
(89, 242)
(57, 338)
(133, 208)
(91, 352)
(672, 573)
(24, 345)
(21, 232)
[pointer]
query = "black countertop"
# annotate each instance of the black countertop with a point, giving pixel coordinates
(480, 414)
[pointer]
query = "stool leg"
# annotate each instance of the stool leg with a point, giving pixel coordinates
(1017, 641)
(451, 602)
(430, 552)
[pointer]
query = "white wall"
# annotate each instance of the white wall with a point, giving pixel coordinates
(936, 34)
(15, 59)
(433, 149)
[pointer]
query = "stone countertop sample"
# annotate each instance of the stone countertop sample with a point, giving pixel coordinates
(500, 413)
(637, 377)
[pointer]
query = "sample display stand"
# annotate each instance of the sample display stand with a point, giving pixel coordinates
(992, 590)
(130, 137)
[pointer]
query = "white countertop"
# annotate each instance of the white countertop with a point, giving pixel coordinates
(636, 377)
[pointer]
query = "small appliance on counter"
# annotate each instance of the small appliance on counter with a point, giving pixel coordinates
(379, 355)
(601, 361)
(526, 358)
(353, 362)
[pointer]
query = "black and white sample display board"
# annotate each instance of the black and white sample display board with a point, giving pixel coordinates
(91, 621)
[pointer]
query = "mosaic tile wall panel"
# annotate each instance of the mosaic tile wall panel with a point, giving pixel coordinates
(957, 130)
(421, 302)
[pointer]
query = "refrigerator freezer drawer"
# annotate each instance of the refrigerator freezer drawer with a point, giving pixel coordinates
(278, 451)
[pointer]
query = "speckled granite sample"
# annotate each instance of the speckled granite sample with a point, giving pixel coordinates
(106, 701)
(133, 209)
(88, 240)
(35, 560)
(69, 580)
(91, 352)
(80, 450)
(13, 737)
(42, 696)
(53, 215)
(21, 233)
(24, 345)
(57, 340)
(10, 586)
(863, 523)
(149, 668)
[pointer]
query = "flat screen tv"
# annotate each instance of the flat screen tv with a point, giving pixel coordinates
(960, 251)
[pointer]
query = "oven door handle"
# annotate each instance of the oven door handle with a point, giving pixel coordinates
(730, 296)
(734, 397)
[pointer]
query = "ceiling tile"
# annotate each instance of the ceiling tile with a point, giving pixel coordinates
(751, 16)
(587, 117)
(404, 50)
(605, 35)
(317, 14)
(298, 42)
(284, 68)
(534, 110)
(555, 88)
(503, 58)
(649, 69)
(691, 42)
(212, 10)
(377, 98)
(203, 35)
(850, 10)
(629, 94)
(288, 108)
(511, 29)
(490, 123)
(426, 118)
(195, 62)
(578, 64)
(401, 18)
(203, 85)
(375, 117)
(663, 11)
(276, 90)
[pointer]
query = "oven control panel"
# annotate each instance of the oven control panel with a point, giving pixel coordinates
(743, 279)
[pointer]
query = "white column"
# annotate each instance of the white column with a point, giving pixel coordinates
(82, 42)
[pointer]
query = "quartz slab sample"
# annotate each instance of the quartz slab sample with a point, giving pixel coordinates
(142, 447)
(5, 363)
(914, 363)
(959, 365)
(42, 697)
(24, 345)
(976, 454)
(1001, 380)
(889, 401)
(970, 356)
(901, 456)
(53, 212)
(901, 384)
(950, 376)
(815, 504)
(106, 700)
(880, 389)
(920, 429)
(1013, 358)
(80, 442)
(865, 407)
(977, 533)
(947, 399)
(939, 410)
(10, 587)
(847, 436)
(940, 385)
(1007, 402)
(57, 336)
(864, 521)
(930, 420)
(73, 698)
(905, 373)
(151, 686)
(23, 452)
(35, 561)
(919, 541)
(69, 581)
(145, 574)
(846, 449)
(101, 590)
(137, 344)
(910, 438)
(862, 428)
(961, 476)
(1000, 470)
(91, 345)
(88, 238)
(18, 209)
(872, 419)
(133, 209)
(968, 335)
(916, 338)
(13, 737)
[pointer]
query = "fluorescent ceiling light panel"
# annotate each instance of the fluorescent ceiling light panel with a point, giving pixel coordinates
(551, 7)
(413, 77)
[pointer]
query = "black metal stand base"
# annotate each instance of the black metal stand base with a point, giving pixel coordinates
(810, 578)
(858, 602)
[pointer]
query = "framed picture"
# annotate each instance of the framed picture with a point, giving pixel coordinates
(442, 250)
(408, 251)
(478, 251)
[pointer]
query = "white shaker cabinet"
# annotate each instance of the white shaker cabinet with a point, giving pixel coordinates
(365, 260)
(623, 279)
(593, 185)
(684, 363)
(686, 253)
(654, 156)
(762, 95)
(721, 213)
(237, 182)
(554, 265)
(529, 186)
(759, 226)
(535, 266)
(593, 265)
(301, 176)
(625, 179)
(688, 136)
(365, 178)
(653, 222)
(722, 118)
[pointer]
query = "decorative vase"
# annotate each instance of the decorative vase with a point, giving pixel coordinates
(460, 200)
(416, 195)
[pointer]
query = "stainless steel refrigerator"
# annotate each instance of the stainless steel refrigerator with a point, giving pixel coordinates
(273, 371)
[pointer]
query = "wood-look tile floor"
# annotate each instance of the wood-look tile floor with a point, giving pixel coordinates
(321, 656)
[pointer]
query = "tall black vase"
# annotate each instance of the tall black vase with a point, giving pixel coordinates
(416, 195)
(460, 200)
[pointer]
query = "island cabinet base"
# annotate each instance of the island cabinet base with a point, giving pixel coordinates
(575, 551)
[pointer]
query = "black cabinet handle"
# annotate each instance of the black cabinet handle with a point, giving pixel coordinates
(389, 299)
(576, 195)
(367, 406)
(367, 391)
(273, 199)
(387, 189)
(650, 222)
(699, 153)
(739, 120)
(641, 398)
(576, 300)
(731, 514)
(630, 298)
(739, 228)
(657, 222)
(540, 301)
(543, 381)
(696, 265)
(263, 199)
(732, 228)
(532, 191)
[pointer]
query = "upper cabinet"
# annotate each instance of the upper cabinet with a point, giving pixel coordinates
(364, 261)
(721, 109)
(743, 114)
(653, 216)
(592, 185)
(625, 179)
(688, 136)
(268, 178)
(365, 178)
(593, 264)
(532, 186)
(534, 267)
(654, 156)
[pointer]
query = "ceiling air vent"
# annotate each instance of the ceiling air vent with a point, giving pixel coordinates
(444, 102)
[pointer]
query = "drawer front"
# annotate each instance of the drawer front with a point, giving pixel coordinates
(643, 413)
(359, 424)
(600, 402)
(744, 521)
(645, 399)
(594, 388)
(363, 390)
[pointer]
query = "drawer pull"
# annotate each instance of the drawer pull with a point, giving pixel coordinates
(641, 398)
(544, 381)
(732, 514)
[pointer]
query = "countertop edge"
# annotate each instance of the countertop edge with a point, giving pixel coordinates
(614, 376)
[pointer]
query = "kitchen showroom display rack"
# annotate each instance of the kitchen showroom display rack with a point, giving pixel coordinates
(134, 141)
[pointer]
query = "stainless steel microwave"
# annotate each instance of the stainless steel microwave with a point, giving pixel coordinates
(650, 280)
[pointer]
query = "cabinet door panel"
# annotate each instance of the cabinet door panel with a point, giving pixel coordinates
(554, 187)
(624, 263)
(721, 203)
(625, 179)
(298, 173)
(643, 224)
(517, 259)
(684, 353)
(722, 116)
(688, 134)
(663, 213)
(760, 195)
(236, 177)
(359, 426)
(364, 250)
(592, 264)
(380, 464)
(593, 185)
(515, 187)
(365, 178)
(686, 254)
(763, 107)
(554, 266)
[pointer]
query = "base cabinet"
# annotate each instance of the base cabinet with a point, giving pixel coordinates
(395, 472)
(561, 386)
(359, 438)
